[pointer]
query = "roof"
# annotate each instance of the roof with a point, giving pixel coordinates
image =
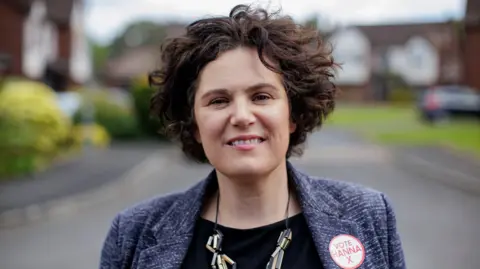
(442, 35)
(129, 62)
(134, 62)
(397, 34)
(472, 14)
(20, 5)
(175, 29)
(60, 10)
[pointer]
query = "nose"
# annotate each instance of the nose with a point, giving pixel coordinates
(241, 115)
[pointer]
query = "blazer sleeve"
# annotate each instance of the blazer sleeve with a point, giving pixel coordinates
(111, 250)
(396, 258)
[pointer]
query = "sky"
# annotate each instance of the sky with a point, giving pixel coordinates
(104, 19)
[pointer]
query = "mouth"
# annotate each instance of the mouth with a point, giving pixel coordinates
(245, 141)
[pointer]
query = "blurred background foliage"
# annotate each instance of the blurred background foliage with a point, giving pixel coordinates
(37, 132)
(34, 129)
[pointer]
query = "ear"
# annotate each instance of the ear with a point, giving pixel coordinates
(292, 127)
(197, 136)
(196, 132)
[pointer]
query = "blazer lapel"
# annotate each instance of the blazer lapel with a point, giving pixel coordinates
(324, 218)
(174, 232)
(168, 254)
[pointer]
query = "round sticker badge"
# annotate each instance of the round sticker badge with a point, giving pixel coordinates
(347, 251)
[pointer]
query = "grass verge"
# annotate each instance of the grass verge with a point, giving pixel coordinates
(401, 125)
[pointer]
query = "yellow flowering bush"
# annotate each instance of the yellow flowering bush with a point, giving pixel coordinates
(118, 119)
(90, 134)
(33, 127)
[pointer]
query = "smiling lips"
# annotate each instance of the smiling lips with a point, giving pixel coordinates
(245, 142)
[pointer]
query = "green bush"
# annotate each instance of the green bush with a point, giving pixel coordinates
(119, 121)
(34, 129)
(141, 94)
(402, 96)
(400, 92)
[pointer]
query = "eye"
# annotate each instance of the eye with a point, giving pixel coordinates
(261, 97)
(218, 101)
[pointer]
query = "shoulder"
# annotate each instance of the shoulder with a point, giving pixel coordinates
(138, 217)
(132, 229)
(353, 200)
(346, 192)
(140, 220)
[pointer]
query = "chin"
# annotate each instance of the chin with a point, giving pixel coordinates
(246, 168)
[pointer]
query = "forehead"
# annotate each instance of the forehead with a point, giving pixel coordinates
(236, 70)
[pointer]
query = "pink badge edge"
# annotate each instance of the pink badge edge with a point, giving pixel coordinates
(358, 241)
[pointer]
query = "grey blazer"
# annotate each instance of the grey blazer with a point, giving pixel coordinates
(156, 234)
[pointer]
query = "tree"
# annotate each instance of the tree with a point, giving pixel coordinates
(320, 22)
(100, 54)
(137, 34)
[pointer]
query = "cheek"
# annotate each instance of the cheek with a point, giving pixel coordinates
(278, 121)
(209, 129)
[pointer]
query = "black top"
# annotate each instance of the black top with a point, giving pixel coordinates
(251, 248)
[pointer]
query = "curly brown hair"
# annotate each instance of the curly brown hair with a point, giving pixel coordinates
(299, 53)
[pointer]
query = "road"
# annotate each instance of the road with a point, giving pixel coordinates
(439, 225)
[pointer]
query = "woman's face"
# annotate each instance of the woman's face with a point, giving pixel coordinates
(242, 115)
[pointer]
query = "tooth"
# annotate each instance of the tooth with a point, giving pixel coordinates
(249, 141)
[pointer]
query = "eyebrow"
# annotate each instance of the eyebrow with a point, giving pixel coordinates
(248, 89)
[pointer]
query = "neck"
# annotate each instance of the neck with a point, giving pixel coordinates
(254, 202)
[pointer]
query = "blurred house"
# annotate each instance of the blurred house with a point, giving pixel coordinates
(44, 40)
(472, 44)
(139, 53)
(132, 63)
(418, 54)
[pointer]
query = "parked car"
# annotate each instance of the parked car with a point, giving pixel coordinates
(442, 102)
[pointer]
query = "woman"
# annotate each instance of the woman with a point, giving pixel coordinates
(242, 93)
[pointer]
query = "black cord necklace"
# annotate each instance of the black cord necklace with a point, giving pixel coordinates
(220, 259)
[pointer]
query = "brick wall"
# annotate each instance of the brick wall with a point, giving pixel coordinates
(64, 42)
(11, 27)
(472, 56)
(353, 93)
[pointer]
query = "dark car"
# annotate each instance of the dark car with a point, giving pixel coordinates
(442, 102)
